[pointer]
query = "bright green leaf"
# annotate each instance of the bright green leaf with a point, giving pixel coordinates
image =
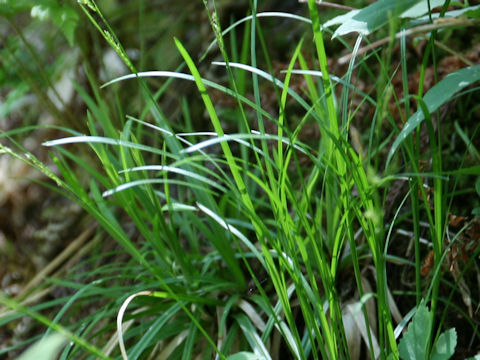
(413, 345)
(436, 97)
(445, 345)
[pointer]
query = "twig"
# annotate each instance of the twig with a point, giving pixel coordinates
(450, 51)
(330, 5)
(422, 29)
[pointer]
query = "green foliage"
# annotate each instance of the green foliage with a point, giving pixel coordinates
(61, 13)
(51, 344)
(14, 99)
(421, 8)
(415, 342)
(238, 228)
(370, 18)
(380, 13)
(13, 7)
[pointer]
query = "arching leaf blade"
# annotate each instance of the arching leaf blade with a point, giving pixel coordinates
(436, 97)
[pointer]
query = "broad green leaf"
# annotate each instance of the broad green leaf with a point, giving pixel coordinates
(421, 8)
(14, 7)
(472, 12)
(63, 16)
(445, 345)
(436, 97)
(370, 18)
(413, 345)
(244, 355)
(66, 19)
(471, 170)
(45, 349)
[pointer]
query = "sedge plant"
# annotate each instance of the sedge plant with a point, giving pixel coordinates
(243, 234)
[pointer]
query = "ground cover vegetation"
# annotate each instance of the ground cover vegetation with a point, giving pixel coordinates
(239, 180)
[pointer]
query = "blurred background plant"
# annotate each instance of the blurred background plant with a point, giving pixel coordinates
(282, 213)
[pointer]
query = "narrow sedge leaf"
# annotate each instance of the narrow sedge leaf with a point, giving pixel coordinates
(19, 308)
(472, 170)
(252, 337)
(249, 18)
(268, 77)
(445, 345)
(244, 355)
(289, 338)
(217, 126)
(135, 183)
(233, 230)
(436, 97)
(212, 84)
(103, 140)
(179, 171)
(413, 344)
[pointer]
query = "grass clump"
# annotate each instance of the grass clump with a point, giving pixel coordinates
(271, 227)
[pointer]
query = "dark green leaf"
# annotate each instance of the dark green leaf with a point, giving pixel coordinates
(421, 8)
(370, 18)
(63, 16)
(66, 19)
(436, 97)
